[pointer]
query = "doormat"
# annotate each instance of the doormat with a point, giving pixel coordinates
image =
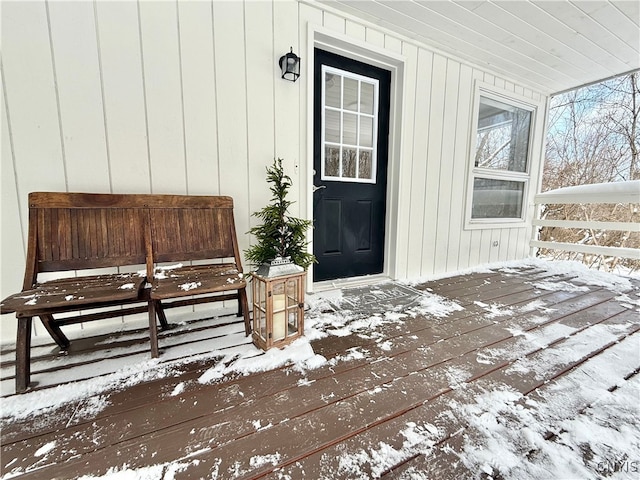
(370, 299)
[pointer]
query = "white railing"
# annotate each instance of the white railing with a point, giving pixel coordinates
(619, 192)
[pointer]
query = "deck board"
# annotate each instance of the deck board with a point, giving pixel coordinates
(334, 421)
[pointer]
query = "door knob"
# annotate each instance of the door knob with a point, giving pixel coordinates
(318, 188)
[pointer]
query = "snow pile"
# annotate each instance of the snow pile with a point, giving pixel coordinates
(189, 286)
(375, 461)
(41, 402)
(245, 361)
(343, 325)
(554, 286)
(240, 360)
(511, 437)
(342, 313)
(160, 272)
(258, 461)
(614, 283)
(582, 425)
(435, 305)
(152, 472)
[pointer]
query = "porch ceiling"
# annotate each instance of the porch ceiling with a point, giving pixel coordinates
(550, 45)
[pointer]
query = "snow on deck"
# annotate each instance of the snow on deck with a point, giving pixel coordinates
(523, 370)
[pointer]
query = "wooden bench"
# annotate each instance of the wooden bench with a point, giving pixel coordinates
(75, 232)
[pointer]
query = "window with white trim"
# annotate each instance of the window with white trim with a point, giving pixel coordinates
(349, 126)
(500, 159)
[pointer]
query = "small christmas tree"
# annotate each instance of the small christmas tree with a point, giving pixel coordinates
(279, 235)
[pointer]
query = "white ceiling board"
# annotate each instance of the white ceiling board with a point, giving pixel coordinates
(547, 48)
(484, 35)
(621, 55)
(631, 8)
(550, 46)
(614, 20)
(518, 36)
(445, 35)
(563, 35)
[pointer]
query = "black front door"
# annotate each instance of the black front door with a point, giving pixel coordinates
(351, 144)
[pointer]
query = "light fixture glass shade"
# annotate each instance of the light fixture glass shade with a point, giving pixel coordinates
(290, 66)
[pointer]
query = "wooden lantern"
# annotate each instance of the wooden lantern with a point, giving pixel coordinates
(278, 309)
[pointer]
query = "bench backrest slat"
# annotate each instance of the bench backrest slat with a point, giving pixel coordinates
(75, 231)
(72, 238)
(192, 234)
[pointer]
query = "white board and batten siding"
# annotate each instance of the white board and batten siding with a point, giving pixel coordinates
(186, 98)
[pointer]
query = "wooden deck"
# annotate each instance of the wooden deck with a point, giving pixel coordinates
(352, 417)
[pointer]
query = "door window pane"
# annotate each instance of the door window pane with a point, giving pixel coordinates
(332, 161)
(365, 164)
(332, 126)
(366, 98)
(349, 162)
(332, 90)
(366, 132)
(351, 94)
(349, 129)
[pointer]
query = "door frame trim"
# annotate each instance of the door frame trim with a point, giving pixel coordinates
(325, 39)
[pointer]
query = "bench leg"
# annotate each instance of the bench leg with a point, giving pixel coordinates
(54, 331)
(23, 354)
(153, 329)
(244, 308)
(161, 316)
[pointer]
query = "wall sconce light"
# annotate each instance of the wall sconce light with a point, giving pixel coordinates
(290, 66)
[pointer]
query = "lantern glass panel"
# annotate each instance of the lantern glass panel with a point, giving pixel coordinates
(260, 308)
(292, 321)
(293, 289)
(279, 311)
(292, 292)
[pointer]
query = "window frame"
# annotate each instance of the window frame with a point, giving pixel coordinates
(375, 117)
(512, 99)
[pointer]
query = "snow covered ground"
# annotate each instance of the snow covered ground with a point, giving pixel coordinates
(582, 425)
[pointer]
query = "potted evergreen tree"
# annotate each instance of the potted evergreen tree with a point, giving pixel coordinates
(281, 256)
(281, 239)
